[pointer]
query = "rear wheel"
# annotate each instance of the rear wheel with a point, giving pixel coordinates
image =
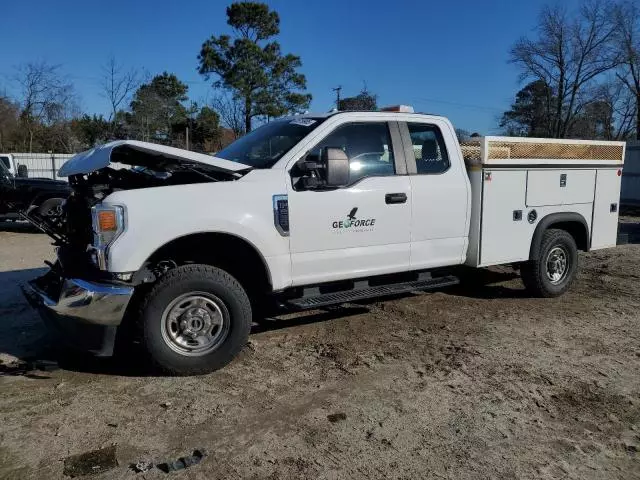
(195, 320)
(553, 272)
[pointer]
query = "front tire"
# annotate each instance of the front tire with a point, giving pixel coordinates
(194, 320)
(50, 208)
(555, 269)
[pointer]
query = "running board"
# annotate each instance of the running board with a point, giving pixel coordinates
(314, 299)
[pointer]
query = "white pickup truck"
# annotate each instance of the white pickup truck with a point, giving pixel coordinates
(180, 251)
(10, 165)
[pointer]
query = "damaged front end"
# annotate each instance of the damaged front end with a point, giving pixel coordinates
(81, 313)
(79, 297)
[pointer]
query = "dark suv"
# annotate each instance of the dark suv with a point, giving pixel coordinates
(40, 195)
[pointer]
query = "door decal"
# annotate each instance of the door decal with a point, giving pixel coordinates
(353, 223)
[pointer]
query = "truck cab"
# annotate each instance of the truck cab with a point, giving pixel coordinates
(389, 215)
(310, 211)
(9, 163)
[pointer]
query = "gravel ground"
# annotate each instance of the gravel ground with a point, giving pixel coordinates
(471, 382)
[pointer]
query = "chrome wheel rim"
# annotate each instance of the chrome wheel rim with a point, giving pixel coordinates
(195, 324)
(55, 211)
(557, 265)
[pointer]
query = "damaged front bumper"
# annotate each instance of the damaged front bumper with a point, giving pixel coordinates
(84, 315)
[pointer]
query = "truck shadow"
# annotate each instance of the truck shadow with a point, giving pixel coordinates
(305, 318)
(628, 232)
(475, 283)
(27, 350)
(488, 284)
(24, 346)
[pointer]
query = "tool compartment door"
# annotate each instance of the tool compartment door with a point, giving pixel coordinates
(504, 238)
(559, 187)
(604, 230)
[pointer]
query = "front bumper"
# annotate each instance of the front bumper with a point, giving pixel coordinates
(84, 315)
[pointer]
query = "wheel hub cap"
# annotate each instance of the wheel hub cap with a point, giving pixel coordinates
(557, 263)
(195, 321)
(54, 211)
(195, 324)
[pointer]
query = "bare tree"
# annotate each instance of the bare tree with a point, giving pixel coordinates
(231, 111)
(569, 53)
(624, 110)
(118, 84)
(47, 96)
(609, 115)
(9, 117)
(627, 17)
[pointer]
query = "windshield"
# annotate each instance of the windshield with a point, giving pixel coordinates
(263, 147)
(4, 172)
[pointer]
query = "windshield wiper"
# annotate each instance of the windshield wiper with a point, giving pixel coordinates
(193, 169)
(200, 169)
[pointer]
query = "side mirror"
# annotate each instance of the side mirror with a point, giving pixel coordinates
(336, 164)
(23, 171)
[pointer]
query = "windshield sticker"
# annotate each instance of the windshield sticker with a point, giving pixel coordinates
(304, 122)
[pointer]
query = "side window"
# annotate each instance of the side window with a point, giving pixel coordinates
(429, 149)
(5, 162)
(368, 146)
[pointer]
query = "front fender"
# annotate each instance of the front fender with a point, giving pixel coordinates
(157, 216)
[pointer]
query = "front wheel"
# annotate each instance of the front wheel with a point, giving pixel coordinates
(195, 320)
(553, 272)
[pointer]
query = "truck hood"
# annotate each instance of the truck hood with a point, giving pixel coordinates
(143, 154)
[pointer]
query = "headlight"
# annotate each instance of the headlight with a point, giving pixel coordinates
(108, 224)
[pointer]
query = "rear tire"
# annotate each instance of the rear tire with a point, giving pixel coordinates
(194, 320)
(553, 272)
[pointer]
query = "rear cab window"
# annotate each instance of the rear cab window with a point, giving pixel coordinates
(429, 149)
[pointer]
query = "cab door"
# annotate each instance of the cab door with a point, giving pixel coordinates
(361, 229)
(441, 195)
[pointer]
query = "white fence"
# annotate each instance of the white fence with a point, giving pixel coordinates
(42, 165)
(630, 194)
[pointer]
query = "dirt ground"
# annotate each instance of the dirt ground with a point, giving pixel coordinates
(471, 382)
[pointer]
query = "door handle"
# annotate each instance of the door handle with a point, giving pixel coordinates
(395, 198)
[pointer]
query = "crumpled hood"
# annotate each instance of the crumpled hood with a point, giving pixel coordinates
(142, 154)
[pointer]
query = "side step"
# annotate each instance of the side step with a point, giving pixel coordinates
(314, 299)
